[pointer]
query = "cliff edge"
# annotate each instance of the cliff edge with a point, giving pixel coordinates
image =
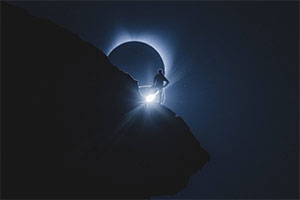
(74, 125)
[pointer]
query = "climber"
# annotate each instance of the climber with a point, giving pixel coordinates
(158, 83)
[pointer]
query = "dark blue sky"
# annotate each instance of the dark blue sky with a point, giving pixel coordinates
(239, 86)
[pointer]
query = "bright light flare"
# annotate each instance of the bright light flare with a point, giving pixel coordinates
(150, 97)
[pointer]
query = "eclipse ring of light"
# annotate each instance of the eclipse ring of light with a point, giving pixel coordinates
(150, 41)
(164, 66)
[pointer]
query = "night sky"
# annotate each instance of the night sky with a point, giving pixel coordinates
(233, 68)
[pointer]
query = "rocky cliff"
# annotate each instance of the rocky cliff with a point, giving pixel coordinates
(74, 125)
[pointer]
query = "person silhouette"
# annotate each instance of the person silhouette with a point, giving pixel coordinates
(158, 82)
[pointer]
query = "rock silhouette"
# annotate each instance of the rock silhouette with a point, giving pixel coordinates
(74, 125)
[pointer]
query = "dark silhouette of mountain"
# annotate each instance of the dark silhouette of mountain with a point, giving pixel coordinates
(74, 126)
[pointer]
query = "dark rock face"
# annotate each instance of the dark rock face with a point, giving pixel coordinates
(76, 126)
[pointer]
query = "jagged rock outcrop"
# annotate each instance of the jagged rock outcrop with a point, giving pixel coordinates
(76, 126)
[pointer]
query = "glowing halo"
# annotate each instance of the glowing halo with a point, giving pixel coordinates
(150, 40)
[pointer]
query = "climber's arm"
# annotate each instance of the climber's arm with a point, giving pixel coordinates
(167, 82)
